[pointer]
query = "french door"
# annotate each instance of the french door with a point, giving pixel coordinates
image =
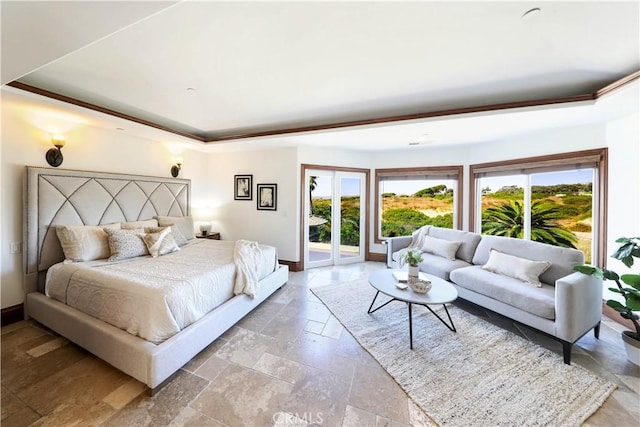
(334, 225)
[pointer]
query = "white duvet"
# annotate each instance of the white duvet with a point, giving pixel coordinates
(154, 298)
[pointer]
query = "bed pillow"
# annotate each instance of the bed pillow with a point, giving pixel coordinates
(84, 242)
(177, 235)
(160, 243)
(135, 225)
(125, 244)
(440, 247)
(519, 268)
(182, 223)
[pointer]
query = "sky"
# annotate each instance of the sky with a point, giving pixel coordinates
(579, 176)
(351, 186)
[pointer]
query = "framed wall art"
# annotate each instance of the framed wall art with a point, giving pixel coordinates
(267, 197)
(243, 187)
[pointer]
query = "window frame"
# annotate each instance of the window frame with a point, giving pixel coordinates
(598, 156)
(456, 171)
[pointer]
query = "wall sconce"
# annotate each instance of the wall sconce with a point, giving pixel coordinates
(175, 169)
(54, 155)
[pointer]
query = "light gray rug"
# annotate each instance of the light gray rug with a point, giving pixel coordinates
(482, 375)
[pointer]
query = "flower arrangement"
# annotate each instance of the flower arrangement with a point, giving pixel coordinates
(413, 257)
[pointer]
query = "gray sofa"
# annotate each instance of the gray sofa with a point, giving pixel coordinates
(566, 306)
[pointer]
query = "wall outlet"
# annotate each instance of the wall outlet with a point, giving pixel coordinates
(15, 247)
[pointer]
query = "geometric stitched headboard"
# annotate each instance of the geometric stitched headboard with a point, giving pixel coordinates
(58, 196)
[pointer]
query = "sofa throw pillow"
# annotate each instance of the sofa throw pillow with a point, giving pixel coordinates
(84, 242)
(125, 244)
(184, 224)
(440, 247)
(135, 225)
(160, 243)
(522, 269)
(177, 235)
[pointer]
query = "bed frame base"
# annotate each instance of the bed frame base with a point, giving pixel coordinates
(147, 362)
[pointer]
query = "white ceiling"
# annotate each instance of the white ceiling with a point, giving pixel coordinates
(271, 65)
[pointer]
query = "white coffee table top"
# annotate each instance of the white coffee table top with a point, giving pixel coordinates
(441, 292)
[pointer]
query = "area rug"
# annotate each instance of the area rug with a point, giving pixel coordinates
(482, 375)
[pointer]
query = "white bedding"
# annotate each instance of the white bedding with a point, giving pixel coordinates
(154, 298)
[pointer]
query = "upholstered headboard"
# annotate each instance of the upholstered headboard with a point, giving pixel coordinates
(57, 196)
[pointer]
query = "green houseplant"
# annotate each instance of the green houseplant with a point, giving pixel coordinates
(628, 250)
(413, 257)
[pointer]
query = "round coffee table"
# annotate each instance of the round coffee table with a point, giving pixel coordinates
(442, 292)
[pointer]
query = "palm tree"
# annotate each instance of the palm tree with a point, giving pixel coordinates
(313, 183)
(508, 220)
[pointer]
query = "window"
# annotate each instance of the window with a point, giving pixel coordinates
(552, 199)
(408, 198)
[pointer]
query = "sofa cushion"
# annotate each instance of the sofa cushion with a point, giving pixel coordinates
(444, 248)
(439, 266)
(468, 241)
(537, 301)
(562, 259)
(519, 268)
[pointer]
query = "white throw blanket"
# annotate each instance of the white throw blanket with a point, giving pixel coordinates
(246, 256)
(417, 242)
(418, 237)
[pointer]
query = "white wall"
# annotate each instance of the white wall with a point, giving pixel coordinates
(551, 141)
(87, 148)
(240, 219)
(237, 219)
(623, 220)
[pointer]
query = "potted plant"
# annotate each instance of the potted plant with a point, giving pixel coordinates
(413, 257)
(628, 250)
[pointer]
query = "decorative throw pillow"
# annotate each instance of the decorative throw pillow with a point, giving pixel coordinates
(84, 242)
(182, 223)
(135, 225)
(160, 243)
(519, 268)
(440, 247)
(125, 244)
(177, 235)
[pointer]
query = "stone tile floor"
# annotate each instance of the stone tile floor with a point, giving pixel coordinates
(290, 362)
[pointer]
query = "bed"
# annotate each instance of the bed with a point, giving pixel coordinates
(63, 197)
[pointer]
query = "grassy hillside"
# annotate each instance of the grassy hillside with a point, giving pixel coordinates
(404, 214)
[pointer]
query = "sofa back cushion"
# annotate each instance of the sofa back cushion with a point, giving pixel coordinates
(562, 259)
(468, 241)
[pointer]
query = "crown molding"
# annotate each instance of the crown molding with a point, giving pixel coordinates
(336, 125)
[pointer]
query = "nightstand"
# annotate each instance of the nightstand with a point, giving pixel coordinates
(212, 236)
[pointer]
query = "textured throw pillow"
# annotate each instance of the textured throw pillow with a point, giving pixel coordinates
(177, 235)
(135, 225)
(182, 223)
(84, 242)
(519, 268)
(440, 247)
(160, 243)
(125, 244)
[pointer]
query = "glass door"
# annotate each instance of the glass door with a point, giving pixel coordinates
(334, 217)
(319, 218)
(350, 193)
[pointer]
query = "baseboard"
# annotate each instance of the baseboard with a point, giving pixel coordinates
(373, 256)
(12, 314)
(293, 265)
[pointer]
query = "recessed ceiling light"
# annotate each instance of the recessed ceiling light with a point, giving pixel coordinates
(191, 89)
(529, 14)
